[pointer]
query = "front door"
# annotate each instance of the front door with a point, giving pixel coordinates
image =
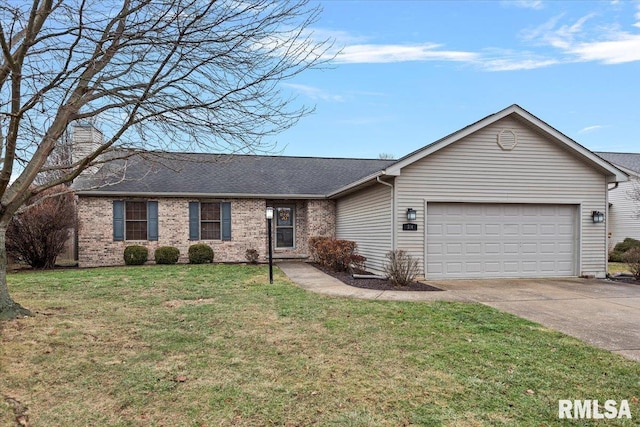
(285, 229)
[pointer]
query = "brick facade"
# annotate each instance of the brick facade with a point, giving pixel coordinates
(96, 246)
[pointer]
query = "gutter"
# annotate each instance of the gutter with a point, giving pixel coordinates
(198, 195)
(354, 185)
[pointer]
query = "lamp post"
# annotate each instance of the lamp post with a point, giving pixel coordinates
(269, 216)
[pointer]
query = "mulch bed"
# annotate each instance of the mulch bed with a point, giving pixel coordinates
(625, 279)
(376, 284)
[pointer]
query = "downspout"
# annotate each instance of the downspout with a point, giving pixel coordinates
(393, 219)
(606, 225)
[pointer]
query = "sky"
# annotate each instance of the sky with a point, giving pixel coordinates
(410, 72)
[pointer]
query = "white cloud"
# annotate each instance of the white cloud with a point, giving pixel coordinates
(591, 128)
(314, 92)
(607, 44)
(527, 4)
(584, 39)
(625, 49)
(560, 38)
(386, 53)
(508, 64)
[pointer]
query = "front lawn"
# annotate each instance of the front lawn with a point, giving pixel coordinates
(216, 345)
(618, 267)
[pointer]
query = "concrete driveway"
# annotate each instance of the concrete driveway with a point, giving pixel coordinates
(602, 313)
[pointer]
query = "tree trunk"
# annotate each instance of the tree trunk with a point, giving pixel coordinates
(9, 309)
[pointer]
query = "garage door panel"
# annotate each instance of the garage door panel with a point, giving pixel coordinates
(500, 240)
(434, 248)
(492, 229)
(434, 230)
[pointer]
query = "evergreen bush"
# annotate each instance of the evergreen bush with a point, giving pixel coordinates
(167, 255)
(135, 255)
(200, 253)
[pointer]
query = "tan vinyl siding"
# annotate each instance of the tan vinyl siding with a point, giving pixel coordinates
(475, 169)
(623, 212)
(365, 217)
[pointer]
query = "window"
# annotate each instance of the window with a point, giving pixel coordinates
(210, 221)
(285, 227)
(135, 220)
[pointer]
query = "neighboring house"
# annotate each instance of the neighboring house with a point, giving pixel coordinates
(508, 196)
(624, 206)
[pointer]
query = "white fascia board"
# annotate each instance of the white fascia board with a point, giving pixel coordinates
(356, 184)
(395, 168)
(615, 174)
(628, 171)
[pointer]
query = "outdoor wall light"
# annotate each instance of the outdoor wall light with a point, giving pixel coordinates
(597, 216)
(411, 214)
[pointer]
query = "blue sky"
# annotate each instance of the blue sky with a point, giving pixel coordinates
(411, 72)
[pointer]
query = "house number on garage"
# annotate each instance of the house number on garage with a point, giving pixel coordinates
(410, 227)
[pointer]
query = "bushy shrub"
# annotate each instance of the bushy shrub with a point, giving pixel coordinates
(401, 268)
(200, 253)
(313, 243)
(338, 255)
(167, 255)
(135, 255)
(632, 259)
(252, 256)
(615, 256)
(38, 234)
(621, 248)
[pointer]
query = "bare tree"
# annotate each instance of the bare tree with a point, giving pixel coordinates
(38, 234)
(386, 156)
(158, 74)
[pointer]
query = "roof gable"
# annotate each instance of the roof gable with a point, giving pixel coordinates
(614, 174)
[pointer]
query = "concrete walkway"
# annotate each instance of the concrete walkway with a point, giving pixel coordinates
(602, 313)
(312, 279)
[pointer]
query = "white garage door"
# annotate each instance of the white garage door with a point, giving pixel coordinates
(469, 240)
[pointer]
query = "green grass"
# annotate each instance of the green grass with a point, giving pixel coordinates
(216, 345)
(618, 267)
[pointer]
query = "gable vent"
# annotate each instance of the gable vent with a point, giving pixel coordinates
(507, 139)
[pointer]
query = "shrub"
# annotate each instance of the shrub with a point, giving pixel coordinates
(252, 256)
(38, 234)
(615, 256)
(200, 253)
(313, 244)
(632, 259)
(135, 255)
(621, 248)
(167, 255)
(401, 268)
(338, 255)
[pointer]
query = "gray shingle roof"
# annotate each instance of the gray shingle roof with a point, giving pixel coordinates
(214, 174)
(629, 161)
